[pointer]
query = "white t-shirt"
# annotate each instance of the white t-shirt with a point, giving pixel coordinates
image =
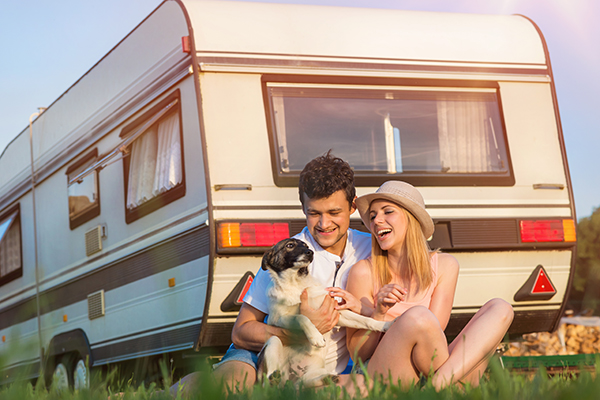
(330, 270)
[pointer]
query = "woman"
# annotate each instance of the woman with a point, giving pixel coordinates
(404, 279)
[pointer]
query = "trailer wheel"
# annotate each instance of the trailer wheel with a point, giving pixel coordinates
(60, 377)
(81, 376)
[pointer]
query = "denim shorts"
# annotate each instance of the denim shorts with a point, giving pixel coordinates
(361, 369)
(233, 354)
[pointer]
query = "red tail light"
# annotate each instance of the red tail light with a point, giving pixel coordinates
(251, 234)
(547, 231)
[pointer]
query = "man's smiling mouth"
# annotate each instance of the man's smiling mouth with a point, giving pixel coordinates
(326, 231)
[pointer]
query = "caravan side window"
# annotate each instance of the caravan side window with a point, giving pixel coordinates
(11, 266)
(153, 169)
(84, 194)
(423, 135)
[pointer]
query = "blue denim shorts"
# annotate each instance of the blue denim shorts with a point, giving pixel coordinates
(233, 354)
(361, 369)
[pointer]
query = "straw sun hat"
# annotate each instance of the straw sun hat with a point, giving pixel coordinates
(404, 195)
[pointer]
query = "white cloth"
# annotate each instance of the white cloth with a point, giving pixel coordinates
(585, 321)
(323, 267)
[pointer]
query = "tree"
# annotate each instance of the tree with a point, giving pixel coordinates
(585, 289)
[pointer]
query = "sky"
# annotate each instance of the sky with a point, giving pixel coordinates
(45, 47)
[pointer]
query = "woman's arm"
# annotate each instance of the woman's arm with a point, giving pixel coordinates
(361, 344)
(443, 294)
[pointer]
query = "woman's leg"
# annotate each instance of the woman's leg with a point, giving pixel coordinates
(414, 344)
(472, 348)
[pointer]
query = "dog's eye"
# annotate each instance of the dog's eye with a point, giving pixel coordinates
(290, 245)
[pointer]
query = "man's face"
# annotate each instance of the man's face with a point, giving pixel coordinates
(328, 220)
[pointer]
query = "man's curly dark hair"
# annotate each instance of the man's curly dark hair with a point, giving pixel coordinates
(324, 176)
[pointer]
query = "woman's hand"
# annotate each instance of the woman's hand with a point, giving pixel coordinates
(387, 296)
(349, 302)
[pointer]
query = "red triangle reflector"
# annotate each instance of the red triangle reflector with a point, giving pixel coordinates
(537, 287)
(235, 298)
(542, 283)
(249, 280)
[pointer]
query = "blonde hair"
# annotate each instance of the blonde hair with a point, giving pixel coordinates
(417, 253)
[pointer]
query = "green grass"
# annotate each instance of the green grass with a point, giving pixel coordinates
(498, 384)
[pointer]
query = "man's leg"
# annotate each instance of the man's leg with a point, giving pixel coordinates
(237, 370)
(237, 375)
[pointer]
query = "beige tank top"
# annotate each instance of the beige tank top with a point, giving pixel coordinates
(399, 308)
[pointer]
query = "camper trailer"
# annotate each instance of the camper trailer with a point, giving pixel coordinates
(134, 217)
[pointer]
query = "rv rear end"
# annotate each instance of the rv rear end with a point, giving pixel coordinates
(461, 106)
(102, 267)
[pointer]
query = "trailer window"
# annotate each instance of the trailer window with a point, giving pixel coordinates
(154, 174)
(83, 193)
(10, 246)
(424, 135)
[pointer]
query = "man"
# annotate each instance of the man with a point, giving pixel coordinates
(327, 194)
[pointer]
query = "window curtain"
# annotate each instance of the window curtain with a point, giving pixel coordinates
(155, 165)
(464, 136)
(10, 249)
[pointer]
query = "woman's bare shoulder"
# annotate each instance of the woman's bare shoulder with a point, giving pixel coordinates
(447, 263)
(361, 270)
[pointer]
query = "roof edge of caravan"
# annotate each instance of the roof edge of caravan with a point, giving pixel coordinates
(362, 33)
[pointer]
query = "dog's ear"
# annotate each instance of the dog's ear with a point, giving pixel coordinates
(266, 260)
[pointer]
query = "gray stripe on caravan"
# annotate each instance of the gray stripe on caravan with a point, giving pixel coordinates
(148, 344)
(280, 207)
(498, 206)
(169, 254)
(137, 240)
(262, 62)
(221, 53)
(162, 327)
(109, 252)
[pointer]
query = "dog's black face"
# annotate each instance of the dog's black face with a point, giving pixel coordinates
(288, 253)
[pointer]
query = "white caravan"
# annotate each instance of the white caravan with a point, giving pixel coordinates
(162, 175)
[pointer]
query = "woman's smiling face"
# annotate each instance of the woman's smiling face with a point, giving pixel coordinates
(388, 222)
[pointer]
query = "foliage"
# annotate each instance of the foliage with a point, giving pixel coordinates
(498, 384)
(585, 290)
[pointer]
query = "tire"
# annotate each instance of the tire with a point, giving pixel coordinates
(81, 375)
(61, 376)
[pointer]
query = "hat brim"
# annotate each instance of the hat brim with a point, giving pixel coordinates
(364, 202)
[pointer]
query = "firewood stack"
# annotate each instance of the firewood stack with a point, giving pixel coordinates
(568, 339)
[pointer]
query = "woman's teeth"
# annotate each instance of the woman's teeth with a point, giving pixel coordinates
(381, 233)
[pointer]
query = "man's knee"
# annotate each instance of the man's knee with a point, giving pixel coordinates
(235, 374)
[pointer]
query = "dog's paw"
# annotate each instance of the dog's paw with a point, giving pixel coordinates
(317, 340)
(275, 378)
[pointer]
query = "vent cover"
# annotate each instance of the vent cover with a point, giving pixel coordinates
(96, 305)
(93, 240)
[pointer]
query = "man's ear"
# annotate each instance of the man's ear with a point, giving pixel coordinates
(353, 205)
(304, 198)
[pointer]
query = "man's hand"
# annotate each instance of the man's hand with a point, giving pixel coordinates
(325, 317)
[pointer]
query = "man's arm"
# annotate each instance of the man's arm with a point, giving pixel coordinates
(251, 333)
